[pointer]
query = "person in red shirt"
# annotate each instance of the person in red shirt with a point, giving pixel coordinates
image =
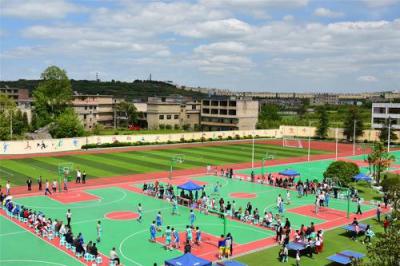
(386, 224)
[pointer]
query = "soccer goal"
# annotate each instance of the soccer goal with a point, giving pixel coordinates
(292, 142)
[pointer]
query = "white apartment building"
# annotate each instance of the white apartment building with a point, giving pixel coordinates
(381, 112)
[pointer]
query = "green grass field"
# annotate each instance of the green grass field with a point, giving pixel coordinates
(334, 241)
(134, 162)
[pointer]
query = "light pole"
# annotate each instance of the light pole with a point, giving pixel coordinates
(388, 145)
(309, 141)
(354, 137)
(252, 156)
(336, 144)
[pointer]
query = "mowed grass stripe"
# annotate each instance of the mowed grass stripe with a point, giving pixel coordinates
(213, 157)
(263, 149)
(15, 179)
(125, 168)
(136, 165)
(199, 160)
(189, 162)
(80, 162)
(152, 163)
(91, 171)
(27, 168)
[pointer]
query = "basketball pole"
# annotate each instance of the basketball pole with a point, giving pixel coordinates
(336, 144)
(252, 156)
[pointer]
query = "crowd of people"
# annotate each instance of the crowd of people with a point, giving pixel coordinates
(45, 226)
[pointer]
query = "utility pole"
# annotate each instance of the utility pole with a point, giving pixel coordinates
(336, 136)
(252, 156)
(388, 145)
(354, 137)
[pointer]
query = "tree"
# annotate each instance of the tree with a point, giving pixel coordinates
(383, 135)
(67, 125)
(353, 114)
(379, 160)
(34, 122)
(385, 250)
(7, 110)
(25, 121)
(323, 125)
(127, 111)
(269, 116)
(52, 96)
(18, 123)
(344, 171)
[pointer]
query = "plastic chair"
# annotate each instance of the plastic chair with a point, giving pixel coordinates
(68, 246)
(78, 255)
(99, 260)
(62, 241)
(73, 249)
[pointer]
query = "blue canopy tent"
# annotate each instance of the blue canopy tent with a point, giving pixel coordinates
(190, 186)
(230, 263)
(188, 260)
(289, 172)
(362, 177)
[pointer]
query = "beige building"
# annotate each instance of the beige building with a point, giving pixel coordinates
(228, 113)
(93, 109)
(21, 98)
(175, 112)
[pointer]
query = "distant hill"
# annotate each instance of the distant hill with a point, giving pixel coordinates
(138, 89)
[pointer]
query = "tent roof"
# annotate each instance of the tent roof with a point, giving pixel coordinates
(188, 260)
(362, 176)
(289, 172)
(231, 263)
(190, 186)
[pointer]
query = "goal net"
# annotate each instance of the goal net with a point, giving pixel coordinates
(292, 142)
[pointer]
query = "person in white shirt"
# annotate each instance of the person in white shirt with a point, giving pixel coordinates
(78, 176)
(8, 187)
(114, 256)
(69, 215)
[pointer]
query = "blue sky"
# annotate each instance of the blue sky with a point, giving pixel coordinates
(243, 45)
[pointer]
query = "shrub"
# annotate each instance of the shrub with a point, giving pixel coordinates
(161, 126)
(176, 127)
(229, 138)
(168, 127)
(237, 136)
(186, 127)
(344, 171)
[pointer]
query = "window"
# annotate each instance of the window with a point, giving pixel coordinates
(223, 112)
(232, 112)
(161, 117)
(379, 110)
(394, 110)
(193, 107)
(214, 111)
(168, 117)
(232, 103)
(176, 116)
(85, 107)
(214, 103)
(206, 110)
(206, 103)
(84, 116)
(187, 116)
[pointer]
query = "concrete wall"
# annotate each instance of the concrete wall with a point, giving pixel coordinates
(71, 144)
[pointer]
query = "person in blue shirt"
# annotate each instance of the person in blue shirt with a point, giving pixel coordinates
(159, 221)
(176, 241)
(198, 236)
(174, 206)
(153, 232)
(192, 217)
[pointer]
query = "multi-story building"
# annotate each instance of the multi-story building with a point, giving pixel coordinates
(176, 112)
(324, 99)
(95, 109)
(21, 98)
(228, 113)
(383, 112)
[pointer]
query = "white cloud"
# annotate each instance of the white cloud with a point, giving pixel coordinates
(380, 3)
(38, 9)
(324, 12)
(368, 78)
(217, 28)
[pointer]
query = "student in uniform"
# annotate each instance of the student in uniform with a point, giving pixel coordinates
(221, 247)
(176, 241)
(198, 236)
(153, 232)
(69, 215)
(159, 221)
(189, 236)
(140, 212)
(167, 235)
(192, 217)
(99, 230)
(47, 188)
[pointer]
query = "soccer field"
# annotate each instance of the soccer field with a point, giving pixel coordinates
(136, 162)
